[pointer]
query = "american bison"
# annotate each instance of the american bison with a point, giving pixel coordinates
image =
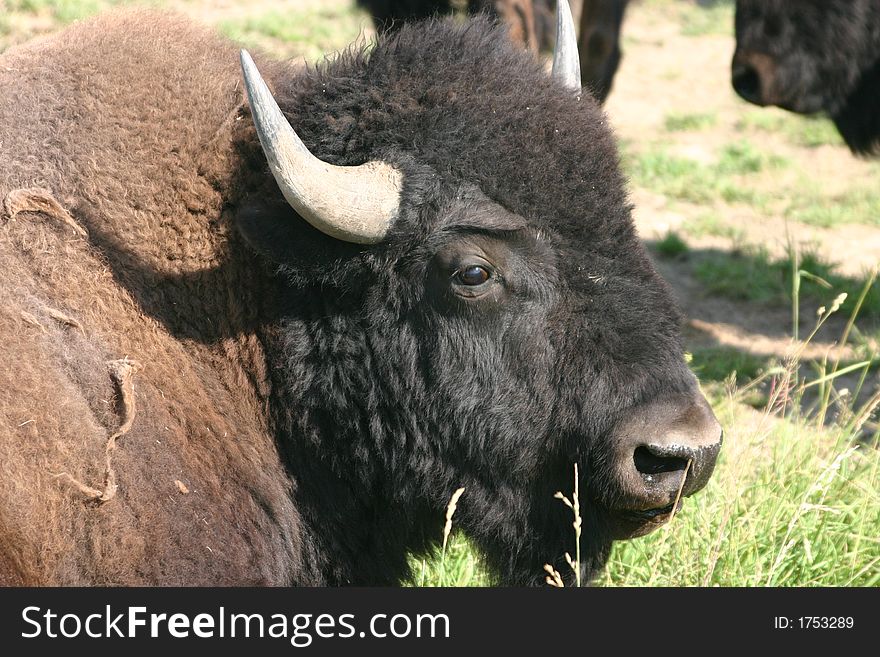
(813, 56)
(530, 24)
(251, 345)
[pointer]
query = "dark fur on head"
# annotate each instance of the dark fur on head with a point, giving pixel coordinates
(493, 150)
(827, 59)
(322, 401)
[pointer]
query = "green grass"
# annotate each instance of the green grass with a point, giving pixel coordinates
(742, 157)
(734, 367)
(859, 204)
(683, 178)
(709, 223)
(706, 18)
(717, 364)
(807, 131)
(689, 121)
(461, 566)
(312, 33)
(678, 177)
(805, 200)
(671, 246)
(752, 275)
(21, 20)
(64, 11)
(712, 18)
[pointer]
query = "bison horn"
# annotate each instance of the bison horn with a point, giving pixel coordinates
(566, 63)
(352, 203)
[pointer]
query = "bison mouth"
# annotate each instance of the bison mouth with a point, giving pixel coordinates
(632, 524)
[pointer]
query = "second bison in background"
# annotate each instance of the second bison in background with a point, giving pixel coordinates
(530, 23)
(813, 56)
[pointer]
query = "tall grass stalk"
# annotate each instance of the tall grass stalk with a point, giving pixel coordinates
(447, 528)
(575, 506)
(841, 343)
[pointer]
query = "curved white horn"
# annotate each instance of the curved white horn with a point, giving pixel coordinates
(352, 203)
(566, 63)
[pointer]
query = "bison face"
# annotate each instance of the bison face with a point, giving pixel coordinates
(494, 355)
(536, 356)
(496, 323)
(803, 56)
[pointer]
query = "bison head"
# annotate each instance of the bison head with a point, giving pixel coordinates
(466, 304)
(812, 56)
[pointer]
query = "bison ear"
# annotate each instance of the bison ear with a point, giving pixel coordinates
(275, 231)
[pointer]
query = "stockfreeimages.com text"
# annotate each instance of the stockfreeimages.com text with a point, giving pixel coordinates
(299, 629)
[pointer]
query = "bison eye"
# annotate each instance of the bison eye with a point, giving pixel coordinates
(473, 275)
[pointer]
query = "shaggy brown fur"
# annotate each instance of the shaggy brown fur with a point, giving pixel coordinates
(74, 255)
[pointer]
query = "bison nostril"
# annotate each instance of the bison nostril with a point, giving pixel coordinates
(649, 461)
(747, 83)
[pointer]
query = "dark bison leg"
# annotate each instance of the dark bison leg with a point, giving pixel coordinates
(389, 15)
(518, 14)
(859, 120)
(599, 44)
